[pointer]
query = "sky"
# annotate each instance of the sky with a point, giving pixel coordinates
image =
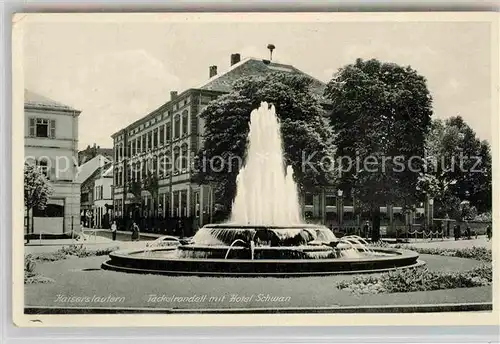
(116, 73)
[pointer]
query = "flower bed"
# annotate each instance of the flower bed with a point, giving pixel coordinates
(418, 279)
(64, 252)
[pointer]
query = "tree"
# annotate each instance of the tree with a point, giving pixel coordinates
(88, 153)
(135, 188)
(304, 129)
(151, 184)
(455, 156)
(381, 114)
(37, 191)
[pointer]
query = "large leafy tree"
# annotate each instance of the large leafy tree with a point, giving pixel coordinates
(306, 133)
(457, 158)
(151, 184)
(381, 114)
(37, 191)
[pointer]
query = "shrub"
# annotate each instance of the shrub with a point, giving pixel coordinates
(477, 253)
(79, 251)
(418, 279)
(29, 266)
(30, 275)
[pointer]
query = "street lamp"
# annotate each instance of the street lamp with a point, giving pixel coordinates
(340, 208)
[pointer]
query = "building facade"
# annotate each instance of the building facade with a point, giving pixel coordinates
(174, 133)
(89, 174)
(51, 143)
(165, 141)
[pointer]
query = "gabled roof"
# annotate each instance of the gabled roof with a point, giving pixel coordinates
(254, 67)
(33, 100)
(87, 169)
(105, 171)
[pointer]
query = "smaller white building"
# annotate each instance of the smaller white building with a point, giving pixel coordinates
(103, 197)
(51, 143)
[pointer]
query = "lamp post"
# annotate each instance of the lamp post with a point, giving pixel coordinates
(340, 209)
(431, 212)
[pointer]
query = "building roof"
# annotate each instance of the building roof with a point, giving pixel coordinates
(87, 169)
(254, 67)
(105, 171)
(224, 82)
(33, 100)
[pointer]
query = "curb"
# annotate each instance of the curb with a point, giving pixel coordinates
(425, 308)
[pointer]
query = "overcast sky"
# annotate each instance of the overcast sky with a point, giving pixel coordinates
(116, 73)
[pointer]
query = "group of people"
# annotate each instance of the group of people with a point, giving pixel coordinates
(135, 231)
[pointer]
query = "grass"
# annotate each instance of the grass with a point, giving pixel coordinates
(30, 275)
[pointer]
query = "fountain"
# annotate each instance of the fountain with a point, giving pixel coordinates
(265, 235)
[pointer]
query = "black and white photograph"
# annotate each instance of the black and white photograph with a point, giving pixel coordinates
(252, 164)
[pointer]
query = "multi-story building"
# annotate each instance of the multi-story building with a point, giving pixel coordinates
(51, 142)
(171, 133)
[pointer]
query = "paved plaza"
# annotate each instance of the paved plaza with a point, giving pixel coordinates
(84, 277)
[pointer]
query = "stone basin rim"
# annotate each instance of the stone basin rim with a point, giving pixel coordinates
(399, 255)
(240, 226)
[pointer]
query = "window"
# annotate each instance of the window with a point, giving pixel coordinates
(155, 138)
(85, 197)
(144, 144)
(41, 127)
(308, 199)
(175, 195)
(185, 158)
(331, 200)
(168, 132)
(168, 163)
(43, 167)
(150, 140)
(177, 126)
(176, 159)
(162, 135)
(185, 123)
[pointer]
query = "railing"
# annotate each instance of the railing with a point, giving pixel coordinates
(40, 236)
(427, 234)
(83, 234)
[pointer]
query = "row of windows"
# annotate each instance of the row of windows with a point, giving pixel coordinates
(156, 137)
(166, 114)
(169, 204)
(162, 166)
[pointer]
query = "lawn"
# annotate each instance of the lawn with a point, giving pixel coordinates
(82, 279)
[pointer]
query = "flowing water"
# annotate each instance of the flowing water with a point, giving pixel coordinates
(266, 191)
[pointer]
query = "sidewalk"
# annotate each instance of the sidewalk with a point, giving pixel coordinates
(101, 240)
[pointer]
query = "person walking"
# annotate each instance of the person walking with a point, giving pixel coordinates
(113, 230)
(366, 229)
(135, 232)
(488, 232)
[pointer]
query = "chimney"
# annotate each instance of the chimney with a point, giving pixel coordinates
(173, 95)
(235, 58)
(212, 71)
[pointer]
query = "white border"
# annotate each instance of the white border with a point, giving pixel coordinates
(462, 319)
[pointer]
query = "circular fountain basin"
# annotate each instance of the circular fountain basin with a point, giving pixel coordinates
(165, 261)
(230, 250)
